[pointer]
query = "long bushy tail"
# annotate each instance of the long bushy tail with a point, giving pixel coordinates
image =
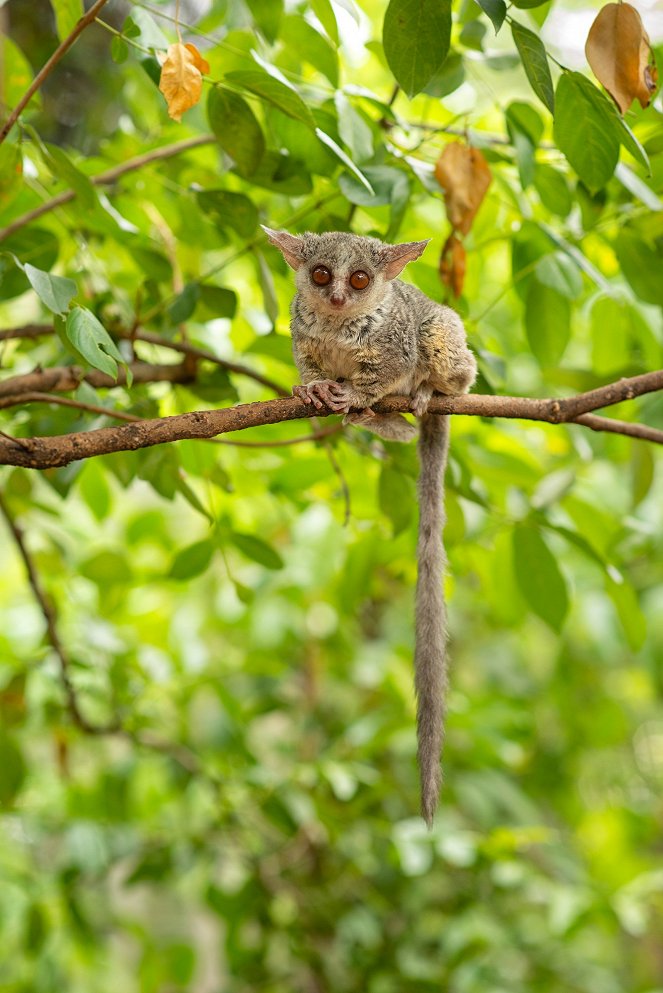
(430, 668)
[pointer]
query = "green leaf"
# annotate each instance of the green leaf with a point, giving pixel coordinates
(16, 74)
(12, 769)
(257, 549)
(496, 11)
(273, 91)
(353, 129)
(236, 129)
(59, 162)
(584, 129)
(642, 265)
(528, 4)
(267, 15)
(397, 498)
(91, 339)
(547, 323)
(107, 568)
(416, 36)
(629, 612)
(324, 11)
(192, 560)
(308, 44)
(553, 189)
(449, 78)
(230, 210)
(55, 292)
(338, 151)
(538, 576)
(560, 273)
(535, 63)
(611, 336)
(67, 13)
(282, 173)
(119, 50)
(218, 300)
(184, 305)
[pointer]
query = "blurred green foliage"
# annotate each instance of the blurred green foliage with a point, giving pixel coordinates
(252, 826)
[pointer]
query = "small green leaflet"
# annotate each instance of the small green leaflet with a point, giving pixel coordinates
(55, 292)
(257, 549)
(338, 151)
(91, 339)
(538, 577)
(416, 36)
(236, 129)
(535, 63)
(496, 11)
(192, 560)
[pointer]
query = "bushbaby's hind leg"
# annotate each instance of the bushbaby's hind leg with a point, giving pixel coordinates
(391, 427)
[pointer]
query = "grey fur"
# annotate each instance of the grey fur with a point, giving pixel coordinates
(354, 347)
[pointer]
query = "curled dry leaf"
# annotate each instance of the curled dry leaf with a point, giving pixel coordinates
(453, 264)
(620, 55)
(464, 175)
(199, 62)
(181, 80)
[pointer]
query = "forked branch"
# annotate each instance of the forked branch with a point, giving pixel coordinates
(46, 453)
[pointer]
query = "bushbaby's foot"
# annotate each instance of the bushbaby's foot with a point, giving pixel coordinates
(325, 392)
(391, 427)
(420, 400)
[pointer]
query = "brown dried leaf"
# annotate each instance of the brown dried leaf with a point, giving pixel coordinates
(453, 264)
(181, 82)
(199, 62)
(619, 53)
(464, 175)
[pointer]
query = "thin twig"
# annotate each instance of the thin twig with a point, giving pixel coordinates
(50, 616)
(48, 67)
(345, 489)
(92, 408)
(106, 178)
(48, 452)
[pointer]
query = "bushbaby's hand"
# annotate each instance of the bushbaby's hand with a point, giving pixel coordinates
(325, 392)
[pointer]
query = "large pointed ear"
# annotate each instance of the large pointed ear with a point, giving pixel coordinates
(396, 257)
(289, 244)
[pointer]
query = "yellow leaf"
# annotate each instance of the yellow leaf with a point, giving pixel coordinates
(463, 174)
(200, 63)
(619, 52)
(181, 82)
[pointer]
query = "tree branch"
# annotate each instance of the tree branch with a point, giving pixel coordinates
(44, 453)
(60, 379)
(32, 331)
(48, 67)
(107, 177)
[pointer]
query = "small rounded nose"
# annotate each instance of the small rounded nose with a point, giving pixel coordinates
(336, 300)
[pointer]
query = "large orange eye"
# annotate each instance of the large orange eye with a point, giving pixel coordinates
(321, 275)
(359, 280)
